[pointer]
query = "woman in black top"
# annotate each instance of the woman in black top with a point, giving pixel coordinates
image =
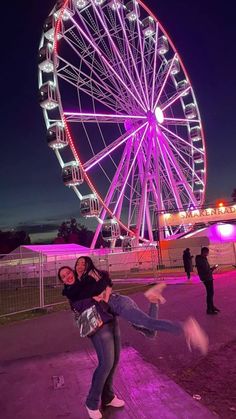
(106, 342)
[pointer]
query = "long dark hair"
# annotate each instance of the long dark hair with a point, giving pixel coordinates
(89, 266)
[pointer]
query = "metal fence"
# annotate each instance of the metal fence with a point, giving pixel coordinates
(29, 280)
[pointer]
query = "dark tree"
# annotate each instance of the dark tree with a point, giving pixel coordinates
(234, 195)
(10, 240)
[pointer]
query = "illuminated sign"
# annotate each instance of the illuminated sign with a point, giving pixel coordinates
(208, 215)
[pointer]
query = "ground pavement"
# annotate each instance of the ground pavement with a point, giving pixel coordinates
(46, 369)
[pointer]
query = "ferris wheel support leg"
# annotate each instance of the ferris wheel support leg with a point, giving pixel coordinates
(144, 167)
(98, 229)
(109, 194)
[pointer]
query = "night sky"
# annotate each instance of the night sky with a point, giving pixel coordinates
(32, 192)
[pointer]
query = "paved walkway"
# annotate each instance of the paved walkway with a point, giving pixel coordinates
(33, 352)
(54, 387)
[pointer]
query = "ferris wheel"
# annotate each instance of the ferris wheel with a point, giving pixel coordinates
(121, 116)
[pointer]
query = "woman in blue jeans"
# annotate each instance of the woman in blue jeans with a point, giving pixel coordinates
(125, 306)
(94, 285)
(106, 342)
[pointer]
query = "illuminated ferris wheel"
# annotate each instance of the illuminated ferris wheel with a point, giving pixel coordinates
(121, 116)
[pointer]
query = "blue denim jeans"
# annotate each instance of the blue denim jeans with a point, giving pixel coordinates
(106, 342)
(125, 307)
(152, 312)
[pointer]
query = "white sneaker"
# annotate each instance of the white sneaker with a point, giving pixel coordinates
(116, 402)
(154, 294)
(94, 414)
(195, 336)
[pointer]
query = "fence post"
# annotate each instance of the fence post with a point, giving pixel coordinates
(41, 281)
(234, 251)
(21, 268)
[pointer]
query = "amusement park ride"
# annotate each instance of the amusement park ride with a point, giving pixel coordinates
(121, 117)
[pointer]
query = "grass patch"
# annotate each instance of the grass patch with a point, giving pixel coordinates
(24, 300)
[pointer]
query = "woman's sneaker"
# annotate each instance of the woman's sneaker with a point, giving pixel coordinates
(94, 414)
(195, 336)
(154, 294)
(116, 402)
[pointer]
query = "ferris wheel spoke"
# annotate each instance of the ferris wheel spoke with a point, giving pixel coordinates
(124, 175)
(106, 62)
(169, 173)
(100, 118)
(83, 82)
(144, 167)
(173, 99)
(92, 94)
(119, 56)
(175, 164)
(108, 197)
(110, 54)
(154, 66)
(156, 178)
(181, 139)
(95, 71)
(132, 56)
(179, 121)
(132, 188)
(110, 148)
(134, 159)
(182, 158)
(142, 56)
(164, 82)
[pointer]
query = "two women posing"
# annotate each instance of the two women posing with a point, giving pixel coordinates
(88, 286)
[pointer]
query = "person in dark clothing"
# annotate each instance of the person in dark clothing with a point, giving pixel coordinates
(97, 285)
(188, 262)
(124, 306)
(85, 286)
(205, 273)
(106, 340)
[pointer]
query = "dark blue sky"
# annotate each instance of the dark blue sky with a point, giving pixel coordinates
(32, 193)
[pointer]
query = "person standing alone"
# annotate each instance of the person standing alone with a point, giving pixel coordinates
(205, 273)
(188, 262)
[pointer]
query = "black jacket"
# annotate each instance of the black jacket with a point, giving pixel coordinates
(81, 292)
(187, 259)
(203, 268)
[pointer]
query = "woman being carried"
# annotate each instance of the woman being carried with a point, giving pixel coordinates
(96, 284)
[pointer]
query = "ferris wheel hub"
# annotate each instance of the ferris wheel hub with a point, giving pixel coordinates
(159, 115)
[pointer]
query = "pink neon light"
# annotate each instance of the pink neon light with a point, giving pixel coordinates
(155, 64)
(169, 173)
(170, 42)
(177, 151)
(104, 115)
(114, 148)
(105, 60)
(219, 233)
(181, 120)
(226, 230)
(142, 57)
(181, 139)
(74, 149)
(131, 167)
(164, 83)
(134, 64)
(174, 99)
(157, 20)
(180, 173)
